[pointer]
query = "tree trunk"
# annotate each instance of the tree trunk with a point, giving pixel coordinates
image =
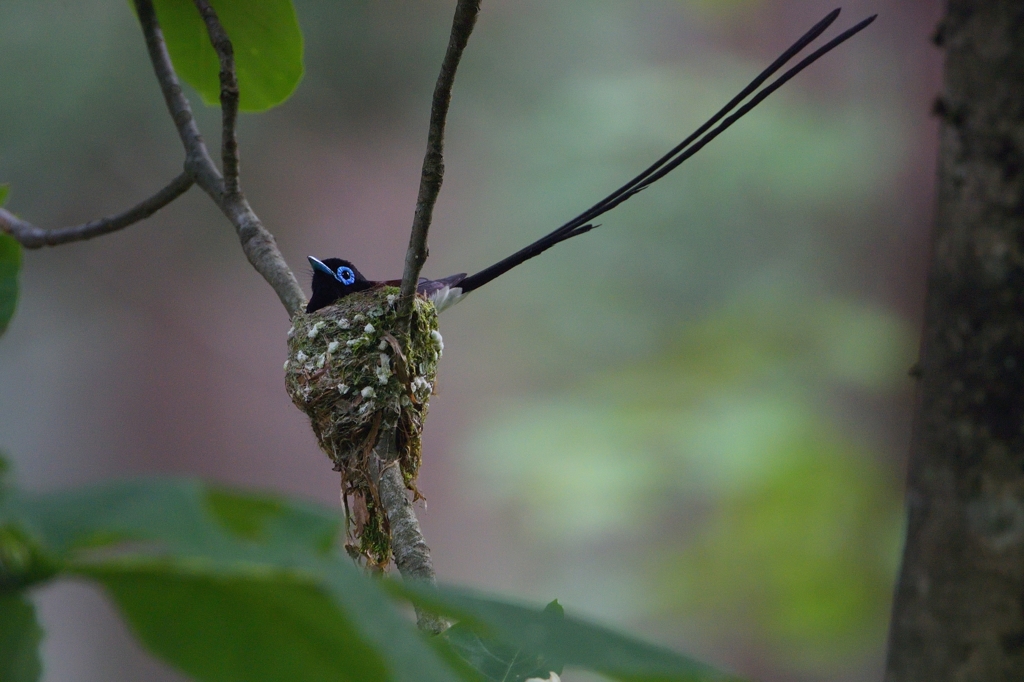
(959, 606)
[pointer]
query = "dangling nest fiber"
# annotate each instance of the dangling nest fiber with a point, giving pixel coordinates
(354, 379)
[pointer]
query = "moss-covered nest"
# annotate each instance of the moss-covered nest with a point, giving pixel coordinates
(348, 370)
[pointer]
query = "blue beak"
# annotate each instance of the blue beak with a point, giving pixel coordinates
(317, 265)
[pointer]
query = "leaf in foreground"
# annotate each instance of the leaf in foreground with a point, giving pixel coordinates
(215, 581)
(232, 587)
(230, 628)
(566, 640)
(187, 518)
(10, 264)
(495, 660)
(20, 635)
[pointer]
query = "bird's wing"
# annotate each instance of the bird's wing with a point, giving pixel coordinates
(430, 287)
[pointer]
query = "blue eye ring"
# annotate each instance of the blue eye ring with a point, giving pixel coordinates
(346, 276)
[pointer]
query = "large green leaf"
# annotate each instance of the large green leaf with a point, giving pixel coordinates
(230, 587)
(10, 264)
(222, 627)
(561, 640)
(498, 661)
(267, 42)
(20, 635)
(224, 621)
(184, 517)
(216, 561)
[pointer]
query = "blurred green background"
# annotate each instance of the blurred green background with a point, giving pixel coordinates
(689, 423)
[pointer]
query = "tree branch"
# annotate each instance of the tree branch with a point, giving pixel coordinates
(32, 237)
(258, 243)
(228, 94)
(260, 248)
(412, 555)
(197, 159)
(433, 162)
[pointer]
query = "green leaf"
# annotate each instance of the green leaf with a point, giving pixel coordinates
(10, 264)
(23, 561)
(184, 517)
(267, 43)
(253, 554)
(232, 587)
(560, 639)
(20, 635)
(273, 521)
(497, 661)
(5, 189)
(232, 628)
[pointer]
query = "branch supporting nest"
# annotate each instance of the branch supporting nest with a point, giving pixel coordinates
(411, 553)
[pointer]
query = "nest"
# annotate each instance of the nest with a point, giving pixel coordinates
(348, 371)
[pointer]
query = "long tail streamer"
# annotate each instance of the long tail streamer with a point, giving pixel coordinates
(681, 152)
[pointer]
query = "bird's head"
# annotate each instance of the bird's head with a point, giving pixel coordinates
(334, 278)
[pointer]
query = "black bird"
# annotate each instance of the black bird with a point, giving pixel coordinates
(334, 278)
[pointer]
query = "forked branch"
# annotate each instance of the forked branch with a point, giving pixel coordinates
(198, 167)
(258, 243)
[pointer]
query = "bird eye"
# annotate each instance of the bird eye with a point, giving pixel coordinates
(346, 276)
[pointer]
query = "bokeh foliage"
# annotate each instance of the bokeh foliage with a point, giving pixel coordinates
(716, 463)
(714, 429)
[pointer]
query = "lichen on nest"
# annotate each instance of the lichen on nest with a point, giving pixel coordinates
(350, 373)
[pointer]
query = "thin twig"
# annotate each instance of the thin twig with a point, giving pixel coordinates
(228, 93)
(258, 243)
(433, 162)
(32, 237)
(197, 159)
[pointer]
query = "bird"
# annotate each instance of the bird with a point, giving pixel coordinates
(335, 278)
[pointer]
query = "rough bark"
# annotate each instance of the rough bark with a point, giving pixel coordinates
(959, 607)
